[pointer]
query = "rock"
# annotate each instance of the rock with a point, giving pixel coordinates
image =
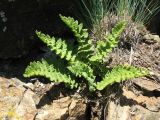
(151, 103)
(140, 113)
(16, 102)
(147, 84)
(29, 86)
(19, 102)
(27, 108)
(152, 38)
(77, 110)
(62, 109)
(133, 107)
(117, 112)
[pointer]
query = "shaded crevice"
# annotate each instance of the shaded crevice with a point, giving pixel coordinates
(154, 25)
(145, 92)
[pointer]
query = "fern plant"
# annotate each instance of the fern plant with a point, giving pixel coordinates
(83, 61)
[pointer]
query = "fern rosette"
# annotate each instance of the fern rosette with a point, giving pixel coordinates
(85, 60)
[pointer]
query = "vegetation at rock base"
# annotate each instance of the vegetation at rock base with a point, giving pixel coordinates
(93, 11)
(101, 15)
(84, 60)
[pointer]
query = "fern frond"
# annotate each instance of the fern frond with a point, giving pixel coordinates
(85, 48)
(121, 73)
(110, 41)
(42, 68)
(81, 69)
(60, 47)
(80, 33)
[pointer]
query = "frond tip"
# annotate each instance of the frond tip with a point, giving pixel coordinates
(105, 46)
(85, 48)
(80, 33)
(42, 68)
(121, 73)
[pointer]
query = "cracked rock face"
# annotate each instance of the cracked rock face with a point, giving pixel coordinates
(19, 101)
(126, 112)
(16, 102)
(140, 103)
(63, 109)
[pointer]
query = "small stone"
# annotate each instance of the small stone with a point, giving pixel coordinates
(4, 19)
(4, 29)
(152, 38)
(156, 38)
(27, 108)
(2, 14)
(29, 86)
(77, 109)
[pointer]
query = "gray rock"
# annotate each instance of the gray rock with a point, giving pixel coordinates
(152, 38)
(117, 112)
(63, 109)
(131, 106)
(16, 102)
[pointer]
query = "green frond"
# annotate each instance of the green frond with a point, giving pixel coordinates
(109, 42)
(59, 46)
(121, 73)
(81, 69)
(85, 47)
(80, 33)
(42, 68)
